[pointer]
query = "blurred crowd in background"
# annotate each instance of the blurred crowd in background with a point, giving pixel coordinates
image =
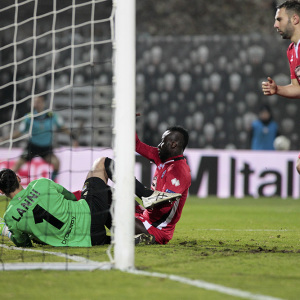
(199, 64)
(202, 17)
(212, 86)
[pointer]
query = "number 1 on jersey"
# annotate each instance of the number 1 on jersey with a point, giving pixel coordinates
(40, 214)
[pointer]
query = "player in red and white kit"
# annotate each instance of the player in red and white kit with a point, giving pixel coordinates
(287, 24)
(172, 175)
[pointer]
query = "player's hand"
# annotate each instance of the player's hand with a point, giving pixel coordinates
(269, 87)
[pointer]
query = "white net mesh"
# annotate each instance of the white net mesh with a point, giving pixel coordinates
(53, 51)
(61, 50)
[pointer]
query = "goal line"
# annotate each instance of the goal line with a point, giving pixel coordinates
(72, 262)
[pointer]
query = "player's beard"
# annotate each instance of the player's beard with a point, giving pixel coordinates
(163, 155)
(288, 32)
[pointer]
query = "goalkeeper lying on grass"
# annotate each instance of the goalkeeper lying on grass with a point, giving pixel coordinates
(47, 213)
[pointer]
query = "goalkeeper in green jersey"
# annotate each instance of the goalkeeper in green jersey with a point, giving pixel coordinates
(48, 213)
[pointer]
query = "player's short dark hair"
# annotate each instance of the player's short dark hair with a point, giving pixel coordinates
(8, 181)
(290, 6)
(185, 135)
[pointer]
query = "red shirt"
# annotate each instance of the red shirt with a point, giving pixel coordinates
(293, 54)
(171, 176)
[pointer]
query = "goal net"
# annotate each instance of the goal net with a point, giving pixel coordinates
(71, 53)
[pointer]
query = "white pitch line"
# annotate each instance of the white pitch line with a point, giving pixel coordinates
(80, 264)
(222, 229)
(207, 286)
(59, 254)
(85, 264)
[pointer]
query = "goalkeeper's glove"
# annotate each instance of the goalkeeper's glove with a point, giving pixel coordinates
(4, 229)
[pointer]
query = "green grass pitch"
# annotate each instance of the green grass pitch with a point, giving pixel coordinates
(247, 244)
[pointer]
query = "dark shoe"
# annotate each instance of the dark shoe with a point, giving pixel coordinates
(144, 238)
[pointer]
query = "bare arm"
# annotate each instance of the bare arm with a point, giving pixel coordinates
(292, 90)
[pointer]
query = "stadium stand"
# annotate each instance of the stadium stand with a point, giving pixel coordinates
(212, 87)
(208, 83)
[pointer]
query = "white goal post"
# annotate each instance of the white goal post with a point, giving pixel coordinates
(124, 128)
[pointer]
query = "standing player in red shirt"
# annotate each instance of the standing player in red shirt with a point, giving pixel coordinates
(287, 24)
(172, 175)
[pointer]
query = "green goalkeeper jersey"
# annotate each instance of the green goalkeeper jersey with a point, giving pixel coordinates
(47, 212)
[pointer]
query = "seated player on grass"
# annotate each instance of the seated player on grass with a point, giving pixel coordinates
(172, 175)
(47, 213)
